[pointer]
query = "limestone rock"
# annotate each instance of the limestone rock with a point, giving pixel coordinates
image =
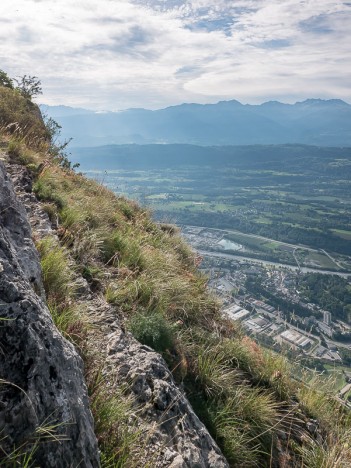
(42, 384)
(184, 440)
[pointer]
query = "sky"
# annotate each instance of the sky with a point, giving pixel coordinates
(118, 54)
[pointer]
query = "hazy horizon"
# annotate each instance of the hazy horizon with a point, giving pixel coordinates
(64, 105)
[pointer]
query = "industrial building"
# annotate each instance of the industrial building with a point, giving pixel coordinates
(296, 339)
(235, 312)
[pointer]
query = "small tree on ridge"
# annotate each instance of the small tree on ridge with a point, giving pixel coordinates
(5, 80)
(29, 86)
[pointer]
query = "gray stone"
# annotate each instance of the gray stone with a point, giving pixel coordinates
(312, 426)
(185, 439)
(43, 374)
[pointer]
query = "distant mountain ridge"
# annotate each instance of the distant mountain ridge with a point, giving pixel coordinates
(312, 122)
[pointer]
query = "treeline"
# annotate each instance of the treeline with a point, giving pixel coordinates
(277, 231)
(330, 292)
(253, 285)
(296, 235)
(297, 159)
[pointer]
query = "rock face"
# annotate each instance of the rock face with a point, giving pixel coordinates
(177, 434)
(43, 397)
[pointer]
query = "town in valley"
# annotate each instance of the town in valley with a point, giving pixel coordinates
(269, 301)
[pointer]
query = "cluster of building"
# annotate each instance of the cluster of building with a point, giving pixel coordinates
(263, 320)
(270, 325)
(227, 277)
(236, 312)
(329, 353)
(202, 238)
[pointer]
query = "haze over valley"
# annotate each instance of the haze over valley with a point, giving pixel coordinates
(312, 122)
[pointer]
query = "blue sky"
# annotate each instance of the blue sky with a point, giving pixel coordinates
(116, 54)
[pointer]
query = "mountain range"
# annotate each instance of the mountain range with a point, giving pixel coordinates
(312, 122)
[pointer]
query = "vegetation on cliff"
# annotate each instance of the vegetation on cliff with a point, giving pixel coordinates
(248, 398)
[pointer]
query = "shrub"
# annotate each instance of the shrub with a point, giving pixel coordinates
(45, 191)
(122, 249)
(51, 210)
(153, 329)
(21, 118)
(5, 80)
(29, 86)
(20, 153)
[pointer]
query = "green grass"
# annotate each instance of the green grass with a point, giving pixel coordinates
(214, 373)
(263, 220)
(19, 121)
(335, 453)
(338, 377)
(154, 330)
(247, 240)
(58, 275)
(116, 427)
(320, 260)
(342, 233)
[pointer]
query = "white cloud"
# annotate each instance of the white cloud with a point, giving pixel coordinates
(111, 54)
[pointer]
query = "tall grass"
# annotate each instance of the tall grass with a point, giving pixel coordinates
(59, 282)
(214, 374)
(245, 395)
(21, 119)
(154, 330)
(116, 425)
(333, 452)
(57, 272)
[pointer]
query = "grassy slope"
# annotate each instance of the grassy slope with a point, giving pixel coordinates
(245, 396)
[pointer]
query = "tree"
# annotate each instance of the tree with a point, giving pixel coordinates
(58, 149)
(29, 86)
(53, 128)
(5, 80)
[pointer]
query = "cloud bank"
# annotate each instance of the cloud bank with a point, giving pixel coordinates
(115, 54)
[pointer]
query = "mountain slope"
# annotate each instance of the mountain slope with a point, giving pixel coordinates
(153, 338)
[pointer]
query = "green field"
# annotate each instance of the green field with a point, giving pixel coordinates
(304, 200)
(337, 375)
(343, 234)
